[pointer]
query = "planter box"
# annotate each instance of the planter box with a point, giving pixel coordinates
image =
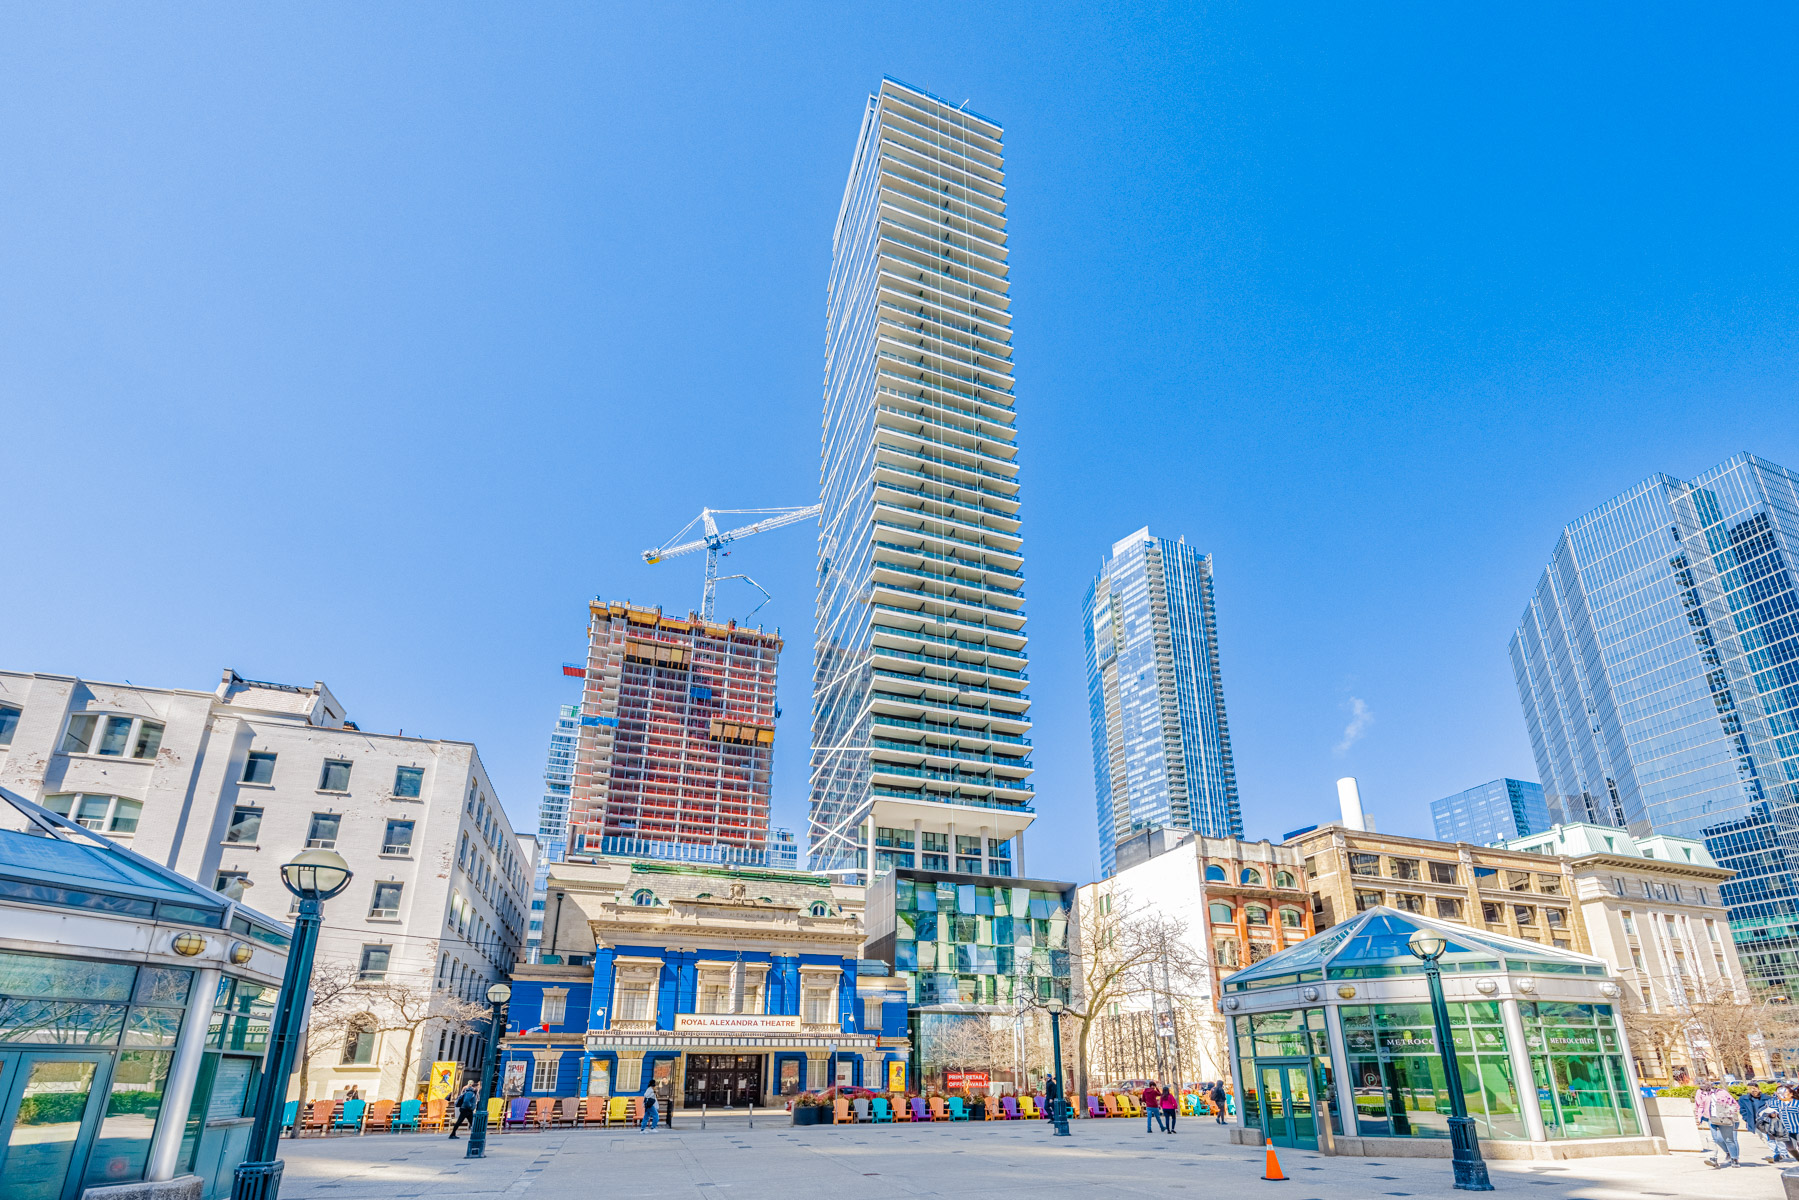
(806, 1115)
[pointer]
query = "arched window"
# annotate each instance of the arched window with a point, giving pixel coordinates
(1284, 879)
(359, 1040)
(643, 898)
(1290, 918)
(821, 909)
(704, 896)
(1252, 877)
(1215, 874)
(1257, 914)
(1223, 914)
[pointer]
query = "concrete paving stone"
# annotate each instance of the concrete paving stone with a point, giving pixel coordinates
(983, 1162)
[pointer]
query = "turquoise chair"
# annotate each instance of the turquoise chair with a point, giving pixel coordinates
(407, 1117)
(883, 1110)
(351, 1116)
(290, 1114)
(958, 1111)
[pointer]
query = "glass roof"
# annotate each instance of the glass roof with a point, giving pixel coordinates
(1374, 942)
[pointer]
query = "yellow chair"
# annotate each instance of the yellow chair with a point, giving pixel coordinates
(493, 1112)
(618, 1112)
(1027, 1107)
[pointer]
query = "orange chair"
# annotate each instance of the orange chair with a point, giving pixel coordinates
(902, 1111)
(840, 1112)
(1110, 1100)
(319, 1117)
(434, 1115)
(938, 1112)
(594, 1111)
(539, 1112)
(379, 1115)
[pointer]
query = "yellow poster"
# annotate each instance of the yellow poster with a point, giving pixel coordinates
(443, 1081)
(896, 1077)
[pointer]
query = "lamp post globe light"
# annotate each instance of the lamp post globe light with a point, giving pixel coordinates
(1427, 945)
(1058, 1105)
(313, 877)
(497, 996)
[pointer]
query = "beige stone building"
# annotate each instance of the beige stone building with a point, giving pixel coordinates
(1652, 908)
(1506, 891)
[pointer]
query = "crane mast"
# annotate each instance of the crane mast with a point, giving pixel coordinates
(714, 542)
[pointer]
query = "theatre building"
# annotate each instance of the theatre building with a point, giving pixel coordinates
(704, 985)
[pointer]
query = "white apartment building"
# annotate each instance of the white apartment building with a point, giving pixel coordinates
(1653, 911)
(226, 786)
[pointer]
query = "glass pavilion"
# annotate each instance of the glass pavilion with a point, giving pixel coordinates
(1335, 1044)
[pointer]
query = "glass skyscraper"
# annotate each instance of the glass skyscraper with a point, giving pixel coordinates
(1492, 812)
(1658, 666)
(919, 720)
(1161, 745)
(552, 817)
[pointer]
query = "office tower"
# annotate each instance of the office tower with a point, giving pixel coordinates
(552, 816)
(783, 850)
(1492, 812)
(919, 754)
(1658, 667)
(676, 738)
(1161, 745)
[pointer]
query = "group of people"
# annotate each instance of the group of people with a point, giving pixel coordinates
(1164, 1104)
(1775, 1118)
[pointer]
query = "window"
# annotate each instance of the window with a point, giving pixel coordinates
(409, 782)
(1441, 872)
(374, 963)
(1526, 914)
(1215, 874)
(246, 823)
(1225, 953)
(231, 883)
(1555, 918)
(398, 838)
(1703, 897)
(1636, 959)
(820, 1009)
(1292, 918)
(115, 737)
(1285, 879)
(715, 998)
(107, 814)
(385, 903)
(644, 898)
(821, 909)
(543, 1074)
(1404, 868)
(322, 835)
(1491, 913)
(9, 723)
(1364, 864)
(334, 776)
(1251, 877)
(1517, 881)
(1630, 924)
(359, 1041)
(1407, 902)
(1255, 914)
(1223, 914)
(1711, 930)
(1366, 900)
(259, 767)
(1549, 885)
(633, 1002)
(1449, 909)
(1618, 885)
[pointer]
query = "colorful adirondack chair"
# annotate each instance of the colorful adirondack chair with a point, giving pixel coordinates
(864, 1110)
(938, 1112)
(1095, 1108)
(568, 1111)
(593, 1111)
(380, 1114)
(1113, 1107)
(434, 1115)
(1027, 1108)
(319, 1116)
(407, 1117)
(902, 1108)
(517, 1113)
(1008, 1108)
(883, 1110)
(495, 1107)
(618, 1111)
(958, 1111)
(290, 1114)
(840, 1112)
(350, 1115)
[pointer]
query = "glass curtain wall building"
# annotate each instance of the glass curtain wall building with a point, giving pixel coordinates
(1493, 812)
(1161, 745)
(1658, 667)
(919, 716)
(552, 818)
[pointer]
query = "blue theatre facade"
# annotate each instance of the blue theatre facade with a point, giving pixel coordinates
(705, 986)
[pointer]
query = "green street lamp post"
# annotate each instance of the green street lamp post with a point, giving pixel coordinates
(497, 995)
(1470, 1169)
(1059, 1106)
(313, 877)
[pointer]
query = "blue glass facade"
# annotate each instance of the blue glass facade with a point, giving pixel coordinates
(1161, 744)
(1658, 666)
(552, 817)
(1492, 812)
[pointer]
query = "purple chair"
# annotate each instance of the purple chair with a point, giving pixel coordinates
(919, 1111)
(1095, 1108)
(1038, 1103)
(516, 1113)
(1009, 1106)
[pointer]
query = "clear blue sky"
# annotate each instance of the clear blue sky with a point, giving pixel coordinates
(366, 342)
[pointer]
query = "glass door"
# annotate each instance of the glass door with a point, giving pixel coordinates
(48, 1107)
(1289, 1114)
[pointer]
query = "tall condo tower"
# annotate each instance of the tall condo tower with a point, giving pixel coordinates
(919, 712)
(1658, 667)
(677, 733)
(1161, 745)
(552, 817)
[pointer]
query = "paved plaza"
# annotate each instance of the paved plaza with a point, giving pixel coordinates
(729, 1160)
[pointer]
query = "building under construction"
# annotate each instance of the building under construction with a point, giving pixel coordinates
(677, 734)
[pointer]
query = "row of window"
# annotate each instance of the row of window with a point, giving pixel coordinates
(1657, 890)
(334, 775)
(1450, 908)
(1249, 876)
(1254, 914)
(1442, 872)
(384, 898)
(112, 736)
(107, 814)
(321, 833)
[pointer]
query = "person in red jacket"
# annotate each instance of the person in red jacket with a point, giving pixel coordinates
(1152, 1107)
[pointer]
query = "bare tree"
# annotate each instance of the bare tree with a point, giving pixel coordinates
(410, 1007)
(334, 1004)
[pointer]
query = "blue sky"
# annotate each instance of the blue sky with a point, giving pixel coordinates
(366, 342)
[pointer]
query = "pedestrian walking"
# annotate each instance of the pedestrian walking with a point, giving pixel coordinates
(1171, 1107)
(1217, 1098)
(1750, 1104)
(1152, 1107)
(650, 1115)
(1714, 1108)
(465, 1110)
(1784, 1132)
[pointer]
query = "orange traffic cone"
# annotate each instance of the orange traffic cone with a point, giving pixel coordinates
(1272, 1172)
